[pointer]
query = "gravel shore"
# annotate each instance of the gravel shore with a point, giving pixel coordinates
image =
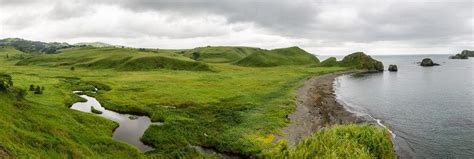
(316, 108)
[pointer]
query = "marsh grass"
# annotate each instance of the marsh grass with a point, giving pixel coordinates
(95, 111)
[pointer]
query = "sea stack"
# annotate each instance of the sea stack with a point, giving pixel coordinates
(428, 62)
(392, 68)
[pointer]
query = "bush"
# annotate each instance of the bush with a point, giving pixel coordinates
(38, 90)
(5, 81)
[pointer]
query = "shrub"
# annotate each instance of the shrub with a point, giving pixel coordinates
(5, 81)
(38, 90)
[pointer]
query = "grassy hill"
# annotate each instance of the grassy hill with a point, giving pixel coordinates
(278, 57)
(117, 58)
(332, 61)
(220, 54)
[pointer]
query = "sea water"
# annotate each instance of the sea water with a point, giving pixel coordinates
(430, 110)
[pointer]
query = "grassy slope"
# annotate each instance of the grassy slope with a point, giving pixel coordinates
(221, 54)
(342, 141)
(233, 109)
(117, 58)
(43, 127)
(278, 57)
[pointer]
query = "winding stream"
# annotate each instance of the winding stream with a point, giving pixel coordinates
(129, 131)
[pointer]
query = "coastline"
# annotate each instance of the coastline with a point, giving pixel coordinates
(317, 107)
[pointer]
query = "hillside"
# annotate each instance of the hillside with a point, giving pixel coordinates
(220, 54)
(117, 58)
(34, 130)
(278, 57)
(28, 46)
(357, 60)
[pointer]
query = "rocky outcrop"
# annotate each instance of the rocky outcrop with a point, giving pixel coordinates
(428, 62)
(392, 68)
(465, 54)
(360, 60)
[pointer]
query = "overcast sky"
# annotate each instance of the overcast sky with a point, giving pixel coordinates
(324, 27)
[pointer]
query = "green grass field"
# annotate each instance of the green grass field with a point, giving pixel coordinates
(228, 107)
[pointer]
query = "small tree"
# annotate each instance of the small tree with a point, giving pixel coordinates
(38, 90)
(72, 68)
(32, 88)
(7, 56)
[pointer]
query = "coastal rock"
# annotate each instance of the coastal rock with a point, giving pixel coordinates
(428, 62)
(465, 54)
(458, 56)
(392, 68)
(360, 60)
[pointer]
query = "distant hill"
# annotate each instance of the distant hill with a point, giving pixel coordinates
(220, 54)
(357, 60)
(332, 61)
(127, 59)
(278, 57)
(28, 46)
(95, 44)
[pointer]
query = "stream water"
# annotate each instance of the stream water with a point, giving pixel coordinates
(130, 130)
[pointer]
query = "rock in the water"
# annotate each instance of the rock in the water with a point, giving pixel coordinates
(458, 56)
(465, 54)
(428, 62)
(133, 117)
(392, 68)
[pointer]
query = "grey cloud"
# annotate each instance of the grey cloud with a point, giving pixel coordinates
(374, 20)
(285, 17)
(72, 9)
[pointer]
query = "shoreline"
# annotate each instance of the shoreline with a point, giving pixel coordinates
(317, 107)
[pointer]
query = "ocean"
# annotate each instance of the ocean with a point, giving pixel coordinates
(430, 110)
